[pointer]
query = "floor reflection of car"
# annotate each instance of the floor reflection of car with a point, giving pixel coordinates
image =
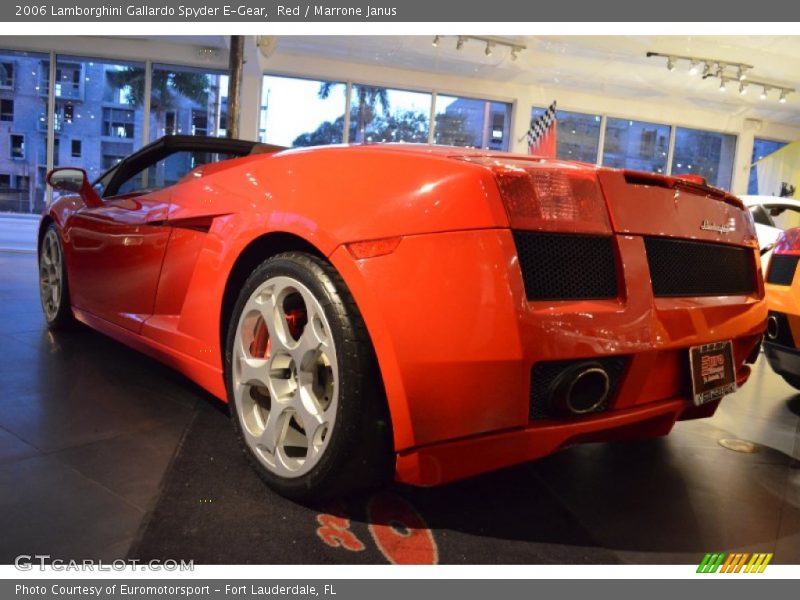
(772, 215)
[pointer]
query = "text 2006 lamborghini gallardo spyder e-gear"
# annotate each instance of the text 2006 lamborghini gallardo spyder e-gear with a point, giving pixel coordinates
(430, 312)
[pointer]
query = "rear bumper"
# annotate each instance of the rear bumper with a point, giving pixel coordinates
(456, 340)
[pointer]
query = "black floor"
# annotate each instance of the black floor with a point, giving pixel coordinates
(105, 453)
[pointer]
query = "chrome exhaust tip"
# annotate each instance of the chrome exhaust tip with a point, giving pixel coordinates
(580, 389)
(773, 327)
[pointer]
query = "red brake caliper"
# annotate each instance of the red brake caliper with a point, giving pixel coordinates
(261, 346)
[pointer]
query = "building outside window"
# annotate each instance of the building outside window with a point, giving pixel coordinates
(7, 75)
(76, 148)
(6, 109)
(17, 145)
(170, 123)
(636, 145)
(578, 134)
(706, 153)
(199, 122)
(70, 78)
(472, 123)
(119, 123)
(761, 149)
(317, 108)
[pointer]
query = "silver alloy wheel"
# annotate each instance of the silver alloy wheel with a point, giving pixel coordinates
(50, 273)
(285, 377)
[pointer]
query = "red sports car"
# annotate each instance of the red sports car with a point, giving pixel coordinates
(430, 312)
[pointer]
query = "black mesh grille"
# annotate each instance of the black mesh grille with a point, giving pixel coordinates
(781, 269)
(784, 337)
(565, 266)
(543, 374)
(686, 268)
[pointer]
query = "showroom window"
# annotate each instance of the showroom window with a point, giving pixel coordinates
(189, 101)
(317, 109)
(761, 149)
(22, 101)
(636, 145)
(103, 108)
(578, 134)
(379, 114)
(6, 110)
(706, 153)
(472, 123)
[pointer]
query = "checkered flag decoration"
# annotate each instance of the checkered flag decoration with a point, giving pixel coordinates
(542, 133)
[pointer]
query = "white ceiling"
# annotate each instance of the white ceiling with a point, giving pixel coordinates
(607, 65)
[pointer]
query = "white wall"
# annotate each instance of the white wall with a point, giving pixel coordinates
(522, 97)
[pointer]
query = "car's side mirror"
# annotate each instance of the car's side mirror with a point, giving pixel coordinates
(69, 179)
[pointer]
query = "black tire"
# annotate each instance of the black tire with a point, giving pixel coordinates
(61, 317)
(792, 380)
(359, 454)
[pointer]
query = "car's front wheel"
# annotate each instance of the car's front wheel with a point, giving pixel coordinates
(304, 388)
(53, 288)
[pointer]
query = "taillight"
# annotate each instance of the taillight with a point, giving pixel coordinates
(552, 198)
(788, 242)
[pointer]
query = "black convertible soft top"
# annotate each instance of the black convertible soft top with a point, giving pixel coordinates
(169, 144)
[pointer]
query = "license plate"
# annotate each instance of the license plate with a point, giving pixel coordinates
(712, 372)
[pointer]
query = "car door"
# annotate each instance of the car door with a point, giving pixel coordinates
(116, 251)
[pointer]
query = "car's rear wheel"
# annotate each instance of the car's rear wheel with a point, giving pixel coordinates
(304, 388)
(53, 287)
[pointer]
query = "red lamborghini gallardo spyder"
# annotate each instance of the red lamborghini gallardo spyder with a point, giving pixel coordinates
(426, 312)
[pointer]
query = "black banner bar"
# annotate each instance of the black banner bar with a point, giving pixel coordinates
(733, 588)
(464, 11)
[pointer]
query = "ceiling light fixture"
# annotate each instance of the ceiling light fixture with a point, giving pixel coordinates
(435, 42)
(740, 73)
(491, 43)
(726, 71)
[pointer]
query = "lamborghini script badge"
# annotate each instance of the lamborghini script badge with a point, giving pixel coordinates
(709, 226)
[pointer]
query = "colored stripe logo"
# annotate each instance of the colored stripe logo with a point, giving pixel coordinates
(739, 562)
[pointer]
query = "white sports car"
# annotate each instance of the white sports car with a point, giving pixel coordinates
(772, 215)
